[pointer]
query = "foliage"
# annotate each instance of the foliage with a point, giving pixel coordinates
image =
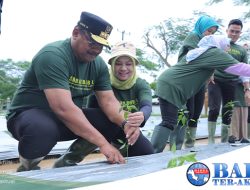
(229, 106)
(180, 160)
(127, 108)
(182, 117)
(246, 15)
(149, 65)
(11, 74)
(236, 2)
(166, 38)
(169, 33)
(153, 85)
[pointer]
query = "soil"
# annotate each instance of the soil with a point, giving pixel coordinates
(10, 166)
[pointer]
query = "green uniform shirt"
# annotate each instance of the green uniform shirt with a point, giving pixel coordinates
(180, 82)
(239, 53)
(189, 43)
(140, 92)
(55, 66)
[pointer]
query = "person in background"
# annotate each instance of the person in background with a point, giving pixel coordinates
(48, 105)
(247, 47)
(204, 26)
(180, 82)
(222, 89)
(239, 121)
(132, 92)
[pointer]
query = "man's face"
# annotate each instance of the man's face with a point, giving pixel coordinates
(234, 32)
(84, 47)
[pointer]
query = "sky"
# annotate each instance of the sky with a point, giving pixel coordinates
(28, 25)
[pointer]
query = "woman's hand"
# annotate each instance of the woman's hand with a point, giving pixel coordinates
(135, 119)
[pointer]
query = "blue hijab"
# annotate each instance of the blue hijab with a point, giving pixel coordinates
(203, 23)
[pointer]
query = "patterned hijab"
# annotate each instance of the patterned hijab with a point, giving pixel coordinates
(219, 41)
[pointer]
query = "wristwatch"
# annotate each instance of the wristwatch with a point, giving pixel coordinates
(123, 124)
(246, 89)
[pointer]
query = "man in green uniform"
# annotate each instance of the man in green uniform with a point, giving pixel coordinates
(239, 122)
(135, 96)
(222, 90)
(48, 106)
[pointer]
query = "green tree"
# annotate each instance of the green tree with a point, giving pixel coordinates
(246, 15)
(11, 74)
(7, 86)
(149, 65)
(166, 38)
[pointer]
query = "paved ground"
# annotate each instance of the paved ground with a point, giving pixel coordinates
(94, 169)
(101, 172)
(8, 145)
(9, 152)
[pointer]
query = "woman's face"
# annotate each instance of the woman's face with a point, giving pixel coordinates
(210, 31)
(123, 68)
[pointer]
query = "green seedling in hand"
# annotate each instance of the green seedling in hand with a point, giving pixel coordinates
(127, 109)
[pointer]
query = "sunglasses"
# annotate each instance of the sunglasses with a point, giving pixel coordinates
(91, 42)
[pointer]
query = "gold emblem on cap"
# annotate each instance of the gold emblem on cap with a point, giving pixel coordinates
(104, 35)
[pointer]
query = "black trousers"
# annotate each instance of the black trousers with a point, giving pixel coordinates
(169, 114)
(220, 93)
(38, 131)
(194, 107)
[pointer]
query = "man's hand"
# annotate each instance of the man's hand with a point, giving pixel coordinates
(132, 127)
(112, 154)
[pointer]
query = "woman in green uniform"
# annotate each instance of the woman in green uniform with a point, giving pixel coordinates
(204, 26)
(180, 82)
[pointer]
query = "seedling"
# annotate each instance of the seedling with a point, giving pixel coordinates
(182, 117)
(230, 106)
(180, 160)
(127, 109)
